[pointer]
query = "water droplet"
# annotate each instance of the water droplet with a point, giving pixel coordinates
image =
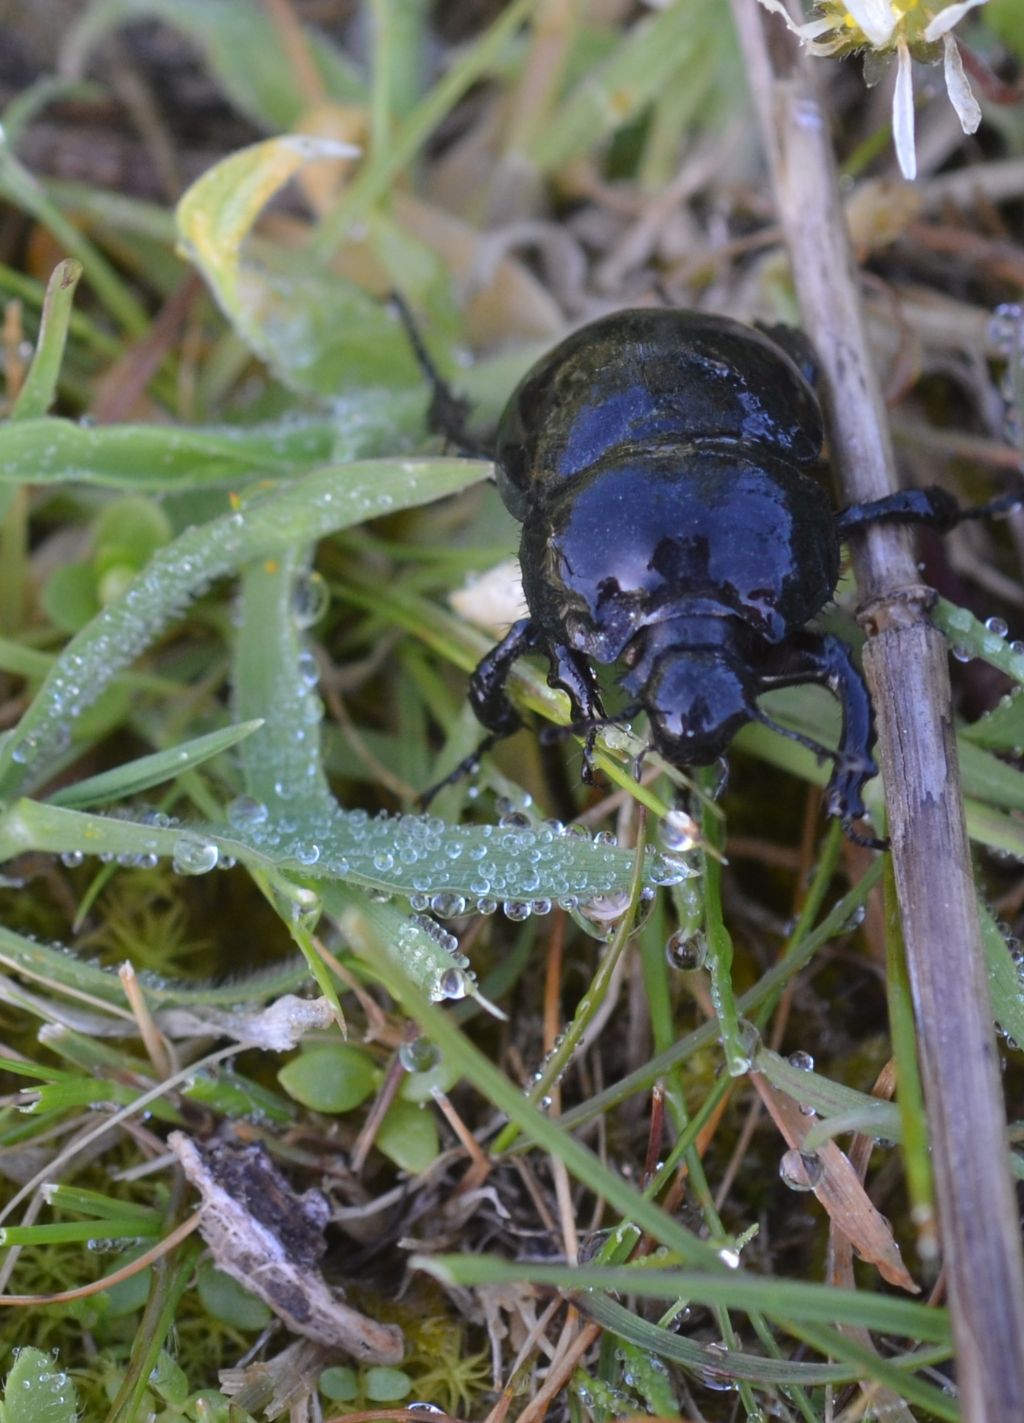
(308, 668)
(668, 869)
(854, 919)
(516, 910)
(801, 1170)
(448, 906)
(419, 1055)
(749, 1042)
(606, 908)
(801, 1060)
(310, 599)
(72, 859)
(1005, 327)
(450, 984)
(685, 951)
(997, 626)
(192, 855)
(678, 831)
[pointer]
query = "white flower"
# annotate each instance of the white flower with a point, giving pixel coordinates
(903, 30)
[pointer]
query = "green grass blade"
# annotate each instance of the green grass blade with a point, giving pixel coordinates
(770, 984)
(375, 178)
(324, 501)
(890, 1314)
(40, 388)
(241, 45)
(21, 189)
(910, 1095)
(140, 775)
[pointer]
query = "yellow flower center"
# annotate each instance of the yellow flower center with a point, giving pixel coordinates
(911, 18)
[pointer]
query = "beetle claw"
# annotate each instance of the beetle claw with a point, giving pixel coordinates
(870, 842)
(589, 750)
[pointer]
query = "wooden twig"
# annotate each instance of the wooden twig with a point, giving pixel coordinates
(905, 661)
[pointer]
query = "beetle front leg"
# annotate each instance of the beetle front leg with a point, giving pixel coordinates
(821, 658)
(488, 686)
(488, 696)
(571, 673)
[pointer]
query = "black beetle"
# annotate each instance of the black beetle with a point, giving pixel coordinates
(667, 469)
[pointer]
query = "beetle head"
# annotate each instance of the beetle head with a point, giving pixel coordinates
(697, 699)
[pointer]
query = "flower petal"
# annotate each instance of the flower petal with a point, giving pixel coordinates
(959, 90)
(806, 31)
(903, 113)
(877, 18)
(943, 22)
(813, 28)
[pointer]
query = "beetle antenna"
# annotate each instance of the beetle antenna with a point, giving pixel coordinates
(448, 413)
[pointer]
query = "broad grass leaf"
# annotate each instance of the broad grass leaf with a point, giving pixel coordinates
(319, 334)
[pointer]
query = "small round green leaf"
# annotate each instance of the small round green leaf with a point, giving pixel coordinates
(69, 596)
(408, 1136)
(128, 532)
(169, 1379)
(128, 1294)
(227, 1301)
(335, 1077)
(39, 1391)
(340, 1384)
(386, 1385)
(420, 1086)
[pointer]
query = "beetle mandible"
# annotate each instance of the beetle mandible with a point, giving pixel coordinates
(667, 469)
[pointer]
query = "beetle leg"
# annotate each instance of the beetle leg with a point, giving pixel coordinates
(489, 699)
(821, 658)
(932, 506)
(488, 695)
(571, 673)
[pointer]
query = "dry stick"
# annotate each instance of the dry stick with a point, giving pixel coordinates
(905, 661)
